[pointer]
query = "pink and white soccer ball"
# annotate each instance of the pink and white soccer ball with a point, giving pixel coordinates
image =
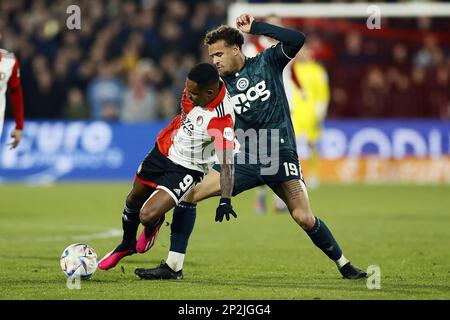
(79, 259)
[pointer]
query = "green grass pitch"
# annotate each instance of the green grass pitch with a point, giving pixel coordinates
(402, 229)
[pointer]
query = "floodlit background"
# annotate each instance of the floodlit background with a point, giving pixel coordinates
(121, 74)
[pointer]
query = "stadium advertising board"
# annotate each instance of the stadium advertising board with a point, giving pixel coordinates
(352, 151)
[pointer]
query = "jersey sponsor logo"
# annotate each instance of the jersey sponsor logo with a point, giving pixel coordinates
(199, 120)
(228, 134)
(242, 101)
(242, 84)
(188, 127)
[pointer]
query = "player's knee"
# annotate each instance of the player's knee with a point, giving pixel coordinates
(148, 214)
(304, 219)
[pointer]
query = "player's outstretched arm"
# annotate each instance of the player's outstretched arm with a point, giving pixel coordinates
(292, 40)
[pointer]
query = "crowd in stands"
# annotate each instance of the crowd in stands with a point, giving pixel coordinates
(130, 58)
(399, 71)
(127, 62)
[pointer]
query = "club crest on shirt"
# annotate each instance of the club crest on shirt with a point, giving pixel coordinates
(228, 134)
(199, 120)
(242, 84)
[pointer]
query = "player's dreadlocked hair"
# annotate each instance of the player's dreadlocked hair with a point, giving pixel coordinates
(204, 74)
(230, 35)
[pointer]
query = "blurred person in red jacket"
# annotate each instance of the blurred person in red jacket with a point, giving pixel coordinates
(10, 81)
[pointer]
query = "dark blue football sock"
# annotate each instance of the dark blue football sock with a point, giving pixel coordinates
(130, 224)
(182, 225)
(324, 240)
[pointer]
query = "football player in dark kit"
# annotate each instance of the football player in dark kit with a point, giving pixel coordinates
(261, 108)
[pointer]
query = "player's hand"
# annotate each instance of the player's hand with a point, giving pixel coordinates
(16, 135)
(244, 22)
(225, 209)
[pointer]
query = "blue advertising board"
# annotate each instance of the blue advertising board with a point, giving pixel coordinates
(58, 150)
(387, 139)
(96, 150)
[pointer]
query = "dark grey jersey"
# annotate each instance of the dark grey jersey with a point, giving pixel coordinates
(261, 105)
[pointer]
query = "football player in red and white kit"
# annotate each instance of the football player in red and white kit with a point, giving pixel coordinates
(10, 81)
(183, 154)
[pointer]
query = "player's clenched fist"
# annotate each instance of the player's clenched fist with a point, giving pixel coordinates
(244, 22)
(225, 209)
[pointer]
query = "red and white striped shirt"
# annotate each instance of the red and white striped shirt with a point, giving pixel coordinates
(192, 137)
(10, 79)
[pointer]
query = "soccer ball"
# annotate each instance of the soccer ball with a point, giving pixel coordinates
(79, 259)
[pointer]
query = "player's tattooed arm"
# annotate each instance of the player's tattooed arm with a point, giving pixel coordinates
(221, 130)
(226, 172)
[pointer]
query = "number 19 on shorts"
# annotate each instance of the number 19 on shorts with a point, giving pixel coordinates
(290, 169)
(186, 183)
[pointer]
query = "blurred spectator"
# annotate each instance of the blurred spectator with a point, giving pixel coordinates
(44, 97)
(374, 93)
(110, 111)
(140, 100)
(419, 87)
(353, 54)
(440, 92)
(168, 103)
(105, 93)
(400, 57)
(131, 52)
(399, 99)
(76, 108)
(429, 54)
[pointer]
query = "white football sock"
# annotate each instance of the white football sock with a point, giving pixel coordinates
(175, 260)
(342, 261)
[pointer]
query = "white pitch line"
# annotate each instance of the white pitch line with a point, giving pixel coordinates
(110, 233)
